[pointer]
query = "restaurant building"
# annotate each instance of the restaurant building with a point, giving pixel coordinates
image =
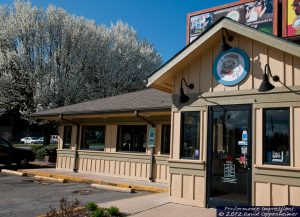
(110, 136)
(226, 118)
(235, 118)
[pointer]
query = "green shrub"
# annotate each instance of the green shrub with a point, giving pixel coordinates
(113, 211)
(40, 151)
(34, 148)
(40, 154)
(91, 206)
(99, 212)
(51, 150)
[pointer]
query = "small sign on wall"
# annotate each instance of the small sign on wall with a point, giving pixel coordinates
(151, 137)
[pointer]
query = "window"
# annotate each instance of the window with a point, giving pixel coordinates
(67, 137)
(276, 136)
(190, 135)
(165, 139)
(93, 138)
(132, 138)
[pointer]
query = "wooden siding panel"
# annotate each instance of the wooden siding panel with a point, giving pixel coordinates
(258, 136)
(296, 63)
(217, 87)
(294, 195)
(188, 187)
(177, 79)
(279, 195)
(176, 187)
(246, 45)
(296, 134)
(288, 60)
(199, 193)
(276, 63)
(206, 80)
(157, 149)
(234, 43)
(194, 75)
(260, 59)
(176, 135)
(262, 194)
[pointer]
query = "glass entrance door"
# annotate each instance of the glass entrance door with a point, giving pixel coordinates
(229, 156)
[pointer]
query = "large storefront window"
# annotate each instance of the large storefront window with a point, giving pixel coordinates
(276, 136)
(67, 137)
(190, 135)
(165, 139)
(93, 138)
(132, 138)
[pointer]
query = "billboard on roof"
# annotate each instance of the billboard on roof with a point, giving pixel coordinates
(293, 18)
(257, 14)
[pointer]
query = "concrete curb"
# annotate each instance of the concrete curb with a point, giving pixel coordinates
(113, 188)
(44, 178)
(96, 181)
(12, 172)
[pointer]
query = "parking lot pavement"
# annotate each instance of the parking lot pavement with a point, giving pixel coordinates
(23, 197)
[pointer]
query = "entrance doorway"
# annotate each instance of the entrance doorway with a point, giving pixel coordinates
(229, 156)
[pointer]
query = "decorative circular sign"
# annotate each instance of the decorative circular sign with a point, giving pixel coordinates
(231, 67)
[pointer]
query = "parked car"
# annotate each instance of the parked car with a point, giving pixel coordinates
(39, 141)
(53, 139)
(29, 140)
(10, 154)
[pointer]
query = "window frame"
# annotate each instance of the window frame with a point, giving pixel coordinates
(64, 139)
(182, 119)
(83, 131)
(264, 162)
(119, 137)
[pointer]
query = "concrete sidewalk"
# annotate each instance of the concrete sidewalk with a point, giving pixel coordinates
(98, 179)
(158, 204)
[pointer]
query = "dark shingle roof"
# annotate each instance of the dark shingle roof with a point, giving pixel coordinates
(148, 99)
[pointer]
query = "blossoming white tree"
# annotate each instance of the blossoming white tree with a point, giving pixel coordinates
(49, 58)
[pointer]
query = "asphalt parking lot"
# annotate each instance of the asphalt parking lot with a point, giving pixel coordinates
(23, 197)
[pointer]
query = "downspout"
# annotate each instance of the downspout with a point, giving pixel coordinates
(136, 113)
(76, 141)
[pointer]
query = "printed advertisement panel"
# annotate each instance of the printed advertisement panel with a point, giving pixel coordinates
(293, 17)
(257, 14)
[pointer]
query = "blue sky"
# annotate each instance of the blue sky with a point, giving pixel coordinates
(161, 22)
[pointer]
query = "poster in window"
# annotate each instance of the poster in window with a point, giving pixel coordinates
(293, 19)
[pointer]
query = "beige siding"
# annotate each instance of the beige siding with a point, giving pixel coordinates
(262, 197)
(176, 135)
(187, 182)
(199, 69)
(128, 165)
(111, 138)
(296, 133)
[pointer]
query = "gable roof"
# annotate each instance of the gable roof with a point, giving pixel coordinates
(157, 79)
(143, 100)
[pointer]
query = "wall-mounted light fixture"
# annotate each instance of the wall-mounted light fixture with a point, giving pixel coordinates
(265, 84)
(225, 46)
(182, 97)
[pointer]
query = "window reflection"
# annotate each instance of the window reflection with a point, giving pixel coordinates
(132, 138)
(67, 137)
(93, 138)
(191, 133)
(276, 136)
